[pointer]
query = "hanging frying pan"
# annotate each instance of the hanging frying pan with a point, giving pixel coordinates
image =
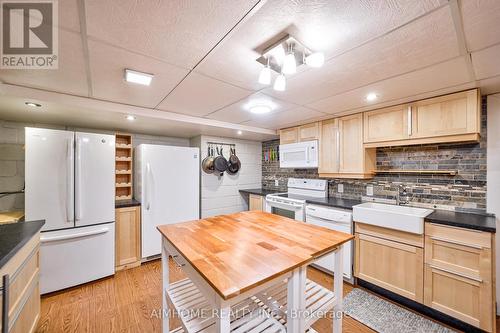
(220, 162)
(234, 164)
(207, 164)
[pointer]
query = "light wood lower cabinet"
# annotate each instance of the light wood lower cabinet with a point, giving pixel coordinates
(459, 274)
(128, 237)
(255, 202)
(23, 289)
(392, 265)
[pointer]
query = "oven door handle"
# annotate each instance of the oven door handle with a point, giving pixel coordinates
(283, 205)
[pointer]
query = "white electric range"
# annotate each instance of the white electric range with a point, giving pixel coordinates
(293, 203)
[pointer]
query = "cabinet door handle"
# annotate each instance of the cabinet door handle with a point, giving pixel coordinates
(176, 262)
(450, 241)
(5, 304)
(456, 273)
(410, 120)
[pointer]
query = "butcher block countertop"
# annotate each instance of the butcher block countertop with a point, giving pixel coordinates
(235, 253)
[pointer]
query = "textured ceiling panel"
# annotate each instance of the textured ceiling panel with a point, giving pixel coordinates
(447, 74)
(487, 62)
(68, 15)
(427, 41)
(199, 95)
(69, 78)
(180, 32)
(329, 26)
(240, 111)
(481, 23)
(108, 77)
(286, 118)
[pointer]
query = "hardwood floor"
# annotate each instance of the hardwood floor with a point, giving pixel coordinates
(131, 302)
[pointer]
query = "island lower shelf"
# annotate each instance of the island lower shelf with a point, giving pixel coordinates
(263, 312)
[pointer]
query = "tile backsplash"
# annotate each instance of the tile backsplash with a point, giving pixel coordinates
(465, 191)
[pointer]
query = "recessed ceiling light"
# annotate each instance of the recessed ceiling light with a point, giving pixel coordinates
(260, 109)
(130, 117)
(33, 104)
(138, 77)
(239, 132)
(371, 97)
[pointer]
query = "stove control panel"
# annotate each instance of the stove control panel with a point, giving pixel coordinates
(308, 184)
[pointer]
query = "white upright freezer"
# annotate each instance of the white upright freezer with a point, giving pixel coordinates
(167, 183)
(70, 183)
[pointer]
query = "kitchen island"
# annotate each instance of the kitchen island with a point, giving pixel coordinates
(247, 272)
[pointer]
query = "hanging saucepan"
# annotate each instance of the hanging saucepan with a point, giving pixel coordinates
(207, 164)
(220, 162)
(234, 164)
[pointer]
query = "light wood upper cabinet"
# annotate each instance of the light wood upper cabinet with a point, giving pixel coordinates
(128, 237)
(387, 124)
(342, 154)
(455, 114)
(309, 132)
(329, 146)
(459, 276)
(301, 133)
(289, 135)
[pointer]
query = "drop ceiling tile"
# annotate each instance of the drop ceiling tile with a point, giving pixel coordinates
(107, 64)
(480, 20)
(329, 26)
(180, 32)
(199, 95)
(486, 62)
(240, 111)
(444, 75)
(291, 117)
(70, 77)
(424, 42)
(68, 15)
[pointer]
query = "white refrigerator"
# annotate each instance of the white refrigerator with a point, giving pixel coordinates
(167, 183)
(70, 184)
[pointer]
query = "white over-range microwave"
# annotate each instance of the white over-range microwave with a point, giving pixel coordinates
(301, 155)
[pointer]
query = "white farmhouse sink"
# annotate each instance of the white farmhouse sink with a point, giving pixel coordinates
(402, 218)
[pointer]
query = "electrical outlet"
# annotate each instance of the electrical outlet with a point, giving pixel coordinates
(340, 188)
(369, 190)
(276, 182)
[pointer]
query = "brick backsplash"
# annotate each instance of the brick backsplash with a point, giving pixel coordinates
(465, 191)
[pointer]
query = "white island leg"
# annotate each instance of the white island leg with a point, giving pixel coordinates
(296, 301)
(338, 285)
(223, 320)
(165, 285)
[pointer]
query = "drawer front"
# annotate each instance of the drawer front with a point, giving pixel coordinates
(27, 319)
(391, 265)
(390, 234)
(21, 281)
(469, 300)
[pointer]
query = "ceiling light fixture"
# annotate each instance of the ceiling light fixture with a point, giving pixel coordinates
(316, 59)
(280, 83)
(33, 104)
(138, 77)
(130, 117)
(260, 109)
(265, 75)
(283, 57)
(371, 97)
(289, 64)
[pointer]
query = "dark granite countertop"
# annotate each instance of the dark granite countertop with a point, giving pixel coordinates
(334, 202)
(259, 191)
(463, 220)
(14, 236)
(127, 203)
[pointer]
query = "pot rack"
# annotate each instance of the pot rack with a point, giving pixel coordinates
(230, 145)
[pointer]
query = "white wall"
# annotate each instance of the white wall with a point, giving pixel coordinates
(12, 156)
(220, 195)
(493, 173)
